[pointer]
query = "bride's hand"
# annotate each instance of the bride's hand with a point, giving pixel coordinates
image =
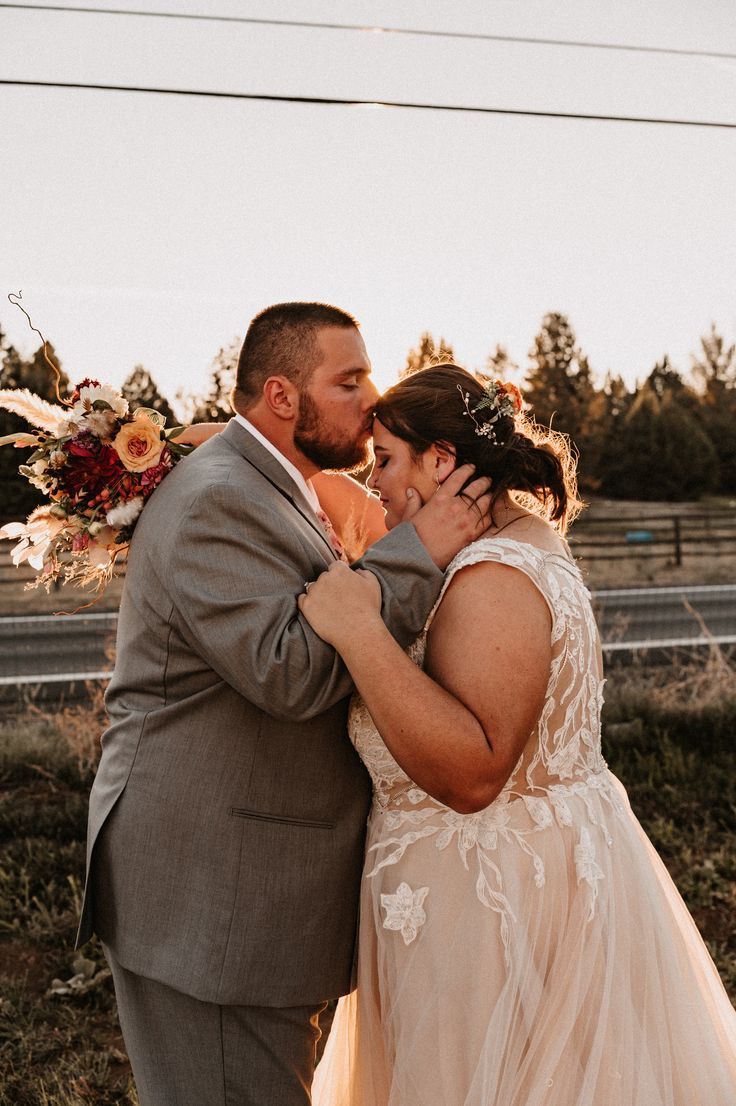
(339, 601)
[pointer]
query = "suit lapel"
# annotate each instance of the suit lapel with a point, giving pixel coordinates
(257, 455)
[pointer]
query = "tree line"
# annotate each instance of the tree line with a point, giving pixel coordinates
(667, 438)
(670, 437)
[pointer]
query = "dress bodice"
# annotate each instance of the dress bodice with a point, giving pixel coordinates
(560, 780)
(564, 747)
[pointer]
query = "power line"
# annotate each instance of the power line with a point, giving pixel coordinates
(473, 36)
(410, 105)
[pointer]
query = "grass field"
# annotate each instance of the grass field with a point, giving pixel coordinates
(669, 739)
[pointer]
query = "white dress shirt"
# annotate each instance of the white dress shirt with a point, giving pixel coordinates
(304, 485)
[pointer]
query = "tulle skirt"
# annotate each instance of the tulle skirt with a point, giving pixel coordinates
(584, 982)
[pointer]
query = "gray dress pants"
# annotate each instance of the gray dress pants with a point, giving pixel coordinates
(190, 1053)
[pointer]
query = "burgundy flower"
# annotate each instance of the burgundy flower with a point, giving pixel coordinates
(152, 477)
(91, 468)
(86, 383)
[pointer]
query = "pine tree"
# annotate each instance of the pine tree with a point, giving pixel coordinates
(664, 452)
(141, 390)
(715, 373)
(603, 450)
(426, 354)
(214, 405)
(499, 365)
(715, 369)
(18, 497)
(559, 385)
(665, 380)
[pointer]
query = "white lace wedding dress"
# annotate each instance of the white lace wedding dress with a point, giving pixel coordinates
(536, 953)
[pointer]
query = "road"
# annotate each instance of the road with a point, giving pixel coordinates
(50, 649)
(639, 618)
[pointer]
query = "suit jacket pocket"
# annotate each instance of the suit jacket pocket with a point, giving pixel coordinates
(263, 816)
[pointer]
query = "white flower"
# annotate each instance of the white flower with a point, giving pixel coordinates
(404, 911)
(57, 459)
(39, 467)
(36, 536)
(125, 513)
(92, 393)
(101, 423)
(66, 428)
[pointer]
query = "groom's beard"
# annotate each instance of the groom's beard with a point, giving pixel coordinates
(322, 444)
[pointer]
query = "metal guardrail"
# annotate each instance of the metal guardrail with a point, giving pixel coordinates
(675, 615)
(47, 649)
(41, 650)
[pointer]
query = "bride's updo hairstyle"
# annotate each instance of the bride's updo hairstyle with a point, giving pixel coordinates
(482, 423)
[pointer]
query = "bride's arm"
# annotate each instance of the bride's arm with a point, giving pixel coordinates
(198, 432)
(357, 515)
(458, 728)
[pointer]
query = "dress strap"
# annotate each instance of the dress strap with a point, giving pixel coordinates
(539, 565)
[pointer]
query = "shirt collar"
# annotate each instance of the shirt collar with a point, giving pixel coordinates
(303, 485)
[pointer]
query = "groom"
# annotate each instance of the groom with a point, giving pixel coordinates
(227, 818)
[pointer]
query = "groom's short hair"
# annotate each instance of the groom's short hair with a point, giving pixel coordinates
(282, 341)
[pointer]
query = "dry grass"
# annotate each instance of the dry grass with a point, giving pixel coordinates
(60, 1044)
(643, 570)
(78, 726)
(668, 735)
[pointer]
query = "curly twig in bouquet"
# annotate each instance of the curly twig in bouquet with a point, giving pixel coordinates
(97, 462)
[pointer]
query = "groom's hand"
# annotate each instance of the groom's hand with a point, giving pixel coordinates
(453, 517)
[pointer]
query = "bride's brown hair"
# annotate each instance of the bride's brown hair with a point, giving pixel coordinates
(531, 460)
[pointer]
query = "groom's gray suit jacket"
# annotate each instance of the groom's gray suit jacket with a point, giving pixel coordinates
(227, 817)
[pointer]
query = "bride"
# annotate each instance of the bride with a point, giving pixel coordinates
(521, 943)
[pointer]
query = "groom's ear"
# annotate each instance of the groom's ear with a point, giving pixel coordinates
(281, 396)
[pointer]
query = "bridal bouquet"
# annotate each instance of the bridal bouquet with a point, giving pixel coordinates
(97, 462)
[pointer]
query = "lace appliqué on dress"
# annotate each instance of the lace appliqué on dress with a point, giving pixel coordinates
(559, 781)
(404, 911)
(587, 867)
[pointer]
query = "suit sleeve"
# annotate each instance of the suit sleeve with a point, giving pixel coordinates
(241, 616)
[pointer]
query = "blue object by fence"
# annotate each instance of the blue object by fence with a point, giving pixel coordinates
(637, 537)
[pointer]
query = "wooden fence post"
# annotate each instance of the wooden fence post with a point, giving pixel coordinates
(678, 540)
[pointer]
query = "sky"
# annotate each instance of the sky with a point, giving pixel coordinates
(150, 229)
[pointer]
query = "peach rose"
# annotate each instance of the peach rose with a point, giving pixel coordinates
(138, 443)
(514, 393)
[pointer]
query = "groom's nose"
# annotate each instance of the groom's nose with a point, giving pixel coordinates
(370, 394)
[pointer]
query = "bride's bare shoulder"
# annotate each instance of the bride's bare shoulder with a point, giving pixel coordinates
(533, 530)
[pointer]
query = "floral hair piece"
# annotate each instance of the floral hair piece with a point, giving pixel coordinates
(500, 399)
